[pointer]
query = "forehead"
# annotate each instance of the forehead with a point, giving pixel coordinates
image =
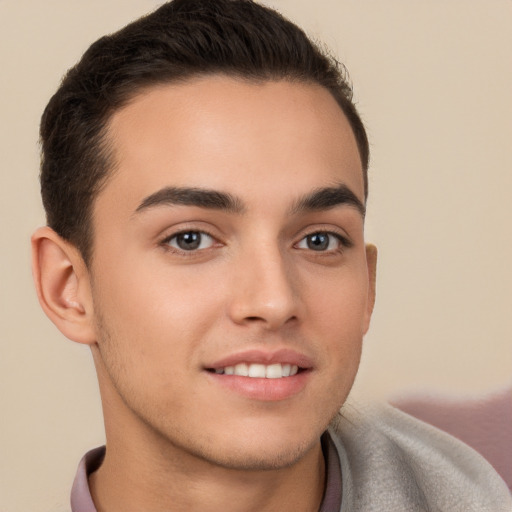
(224, 133)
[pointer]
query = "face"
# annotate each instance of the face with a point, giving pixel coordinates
(230, 280)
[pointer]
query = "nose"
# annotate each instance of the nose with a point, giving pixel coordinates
(264, 290)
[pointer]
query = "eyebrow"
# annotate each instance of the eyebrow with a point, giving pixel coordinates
(317, 200)
(191, 196)
(329, 197)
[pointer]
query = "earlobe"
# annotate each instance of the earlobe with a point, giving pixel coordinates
(371, 261)
(62, 284)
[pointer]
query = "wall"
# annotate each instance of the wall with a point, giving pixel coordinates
(432, 81)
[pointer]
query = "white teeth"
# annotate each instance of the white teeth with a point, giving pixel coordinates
(261, 371)
(274, 371)
(242, 370)
(257, 370)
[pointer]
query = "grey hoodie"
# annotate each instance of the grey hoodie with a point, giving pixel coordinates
(393, 462)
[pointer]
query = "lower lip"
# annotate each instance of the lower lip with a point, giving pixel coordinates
(268, 390)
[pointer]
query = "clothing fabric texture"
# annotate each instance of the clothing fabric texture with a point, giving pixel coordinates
(484, 422)
(379, 459)
(393, 462)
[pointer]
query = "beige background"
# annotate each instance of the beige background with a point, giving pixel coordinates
(433, 82)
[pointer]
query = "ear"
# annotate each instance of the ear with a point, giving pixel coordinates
(371, 262)
(63, 286)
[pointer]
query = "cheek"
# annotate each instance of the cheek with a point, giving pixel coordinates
(158, 315)
(338, 312)
(340, 300)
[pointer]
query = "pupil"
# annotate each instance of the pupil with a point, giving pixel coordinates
(318, 241)
(189, 241)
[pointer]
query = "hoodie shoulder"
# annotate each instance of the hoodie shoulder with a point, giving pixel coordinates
(392, 461)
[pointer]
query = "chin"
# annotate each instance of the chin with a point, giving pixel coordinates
(256, 445)
(259, 457)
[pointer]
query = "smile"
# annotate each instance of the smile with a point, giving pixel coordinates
(259, 371)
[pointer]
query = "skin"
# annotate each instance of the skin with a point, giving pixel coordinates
(157, 316)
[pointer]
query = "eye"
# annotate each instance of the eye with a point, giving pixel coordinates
(321, 241)
(190, 241)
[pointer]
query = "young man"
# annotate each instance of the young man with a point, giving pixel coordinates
(204, 175)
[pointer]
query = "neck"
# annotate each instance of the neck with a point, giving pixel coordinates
(130, 481)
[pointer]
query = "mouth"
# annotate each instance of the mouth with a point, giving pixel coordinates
(259, 371)
(262, 376)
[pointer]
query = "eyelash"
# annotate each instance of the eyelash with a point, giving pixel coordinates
(166, 242)
(344, 242)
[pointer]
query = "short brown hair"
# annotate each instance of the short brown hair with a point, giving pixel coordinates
(180, 40)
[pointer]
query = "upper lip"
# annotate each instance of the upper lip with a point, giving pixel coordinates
(258, 356)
